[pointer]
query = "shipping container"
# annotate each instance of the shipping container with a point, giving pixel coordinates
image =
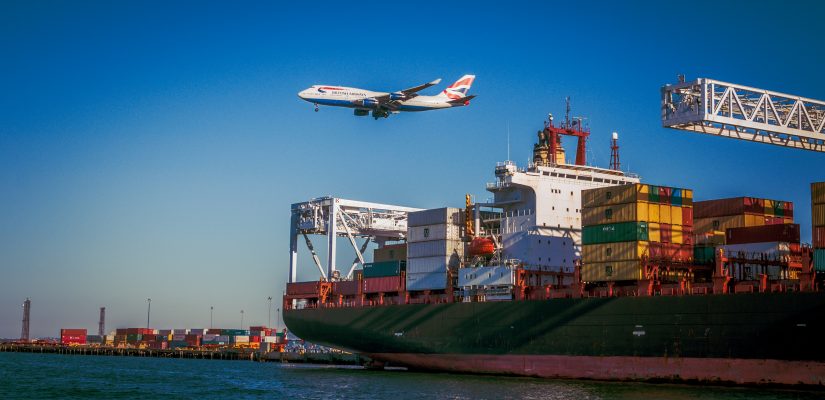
(302, 288)
(345, 288)
(425, 233)
(234, 332)
(819, 237)
(426, 281)
(619, 251)
(432, 264)
(654, 232)
(759, 251)
(818, 214)
(384, 284)
(476, 277)
(670, 251)
(390, 252)
(705, 225)
(435, 248)
(612, 195)
(612, 271)
(761, 234)
(725, 207)
(704, 255)
(620, 232)
(687, 216)
(180, 331)
(386, 268)
(239, 339)
(819, 260)
(446, 215)
(197, 331)
(73, 336)
(818, 193)
(270, 339)
(626, 212)
(165, 332)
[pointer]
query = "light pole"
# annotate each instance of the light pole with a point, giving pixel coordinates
(241, 319)
(269, 313)
(278, 311)
(148, 312)
(211, 309)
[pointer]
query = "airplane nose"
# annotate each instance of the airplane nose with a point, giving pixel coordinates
(302, 95)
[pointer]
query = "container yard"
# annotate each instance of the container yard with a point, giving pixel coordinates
(574, 271)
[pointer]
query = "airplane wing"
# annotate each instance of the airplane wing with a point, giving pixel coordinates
(407, 93)
(463, 99)
(419, 88)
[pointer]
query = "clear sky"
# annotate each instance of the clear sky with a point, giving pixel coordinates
(152, 149)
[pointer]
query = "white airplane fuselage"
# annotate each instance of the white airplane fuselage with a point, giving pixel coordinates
(341, 96)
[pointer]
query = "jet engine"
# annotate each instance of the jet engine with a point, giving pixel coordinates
(370, 103)
(361, 112)
(397, 96)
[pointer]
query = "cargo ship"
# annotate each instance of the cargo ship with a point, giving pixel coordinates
(572, 271)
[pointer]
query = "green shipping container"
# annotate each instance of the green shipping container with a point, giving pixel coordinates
(676, 197)
(134, 337)
(819, 260)
(653, 194)
(234, 332)
(612, 233)
(704, 255)
(384, 268)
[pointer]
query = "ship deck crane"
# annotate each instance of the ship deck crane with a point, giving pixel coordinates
(740, 112)
(334, 218)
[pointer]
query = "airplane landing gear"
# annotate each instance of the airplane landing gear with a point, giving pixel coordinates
(316, 108)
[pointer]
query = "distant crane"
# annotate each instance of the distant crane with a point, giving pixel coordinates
(614, 152)
(746, 113)
(27, 306)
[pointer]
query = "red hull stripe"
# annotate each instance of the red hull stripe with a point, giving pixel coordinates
(711, 370)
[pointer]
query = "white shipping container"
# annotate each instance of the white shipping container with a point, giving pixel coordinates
(447, 215)
(498, 275)
(770, 250)
(269, 339)
(242, 339)
(222, 338)
(433, 232)
(426, 281)
(432, 264)
(434, 248)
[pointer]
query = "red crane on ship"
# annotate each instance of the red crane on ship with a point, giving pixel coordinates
(570, 127)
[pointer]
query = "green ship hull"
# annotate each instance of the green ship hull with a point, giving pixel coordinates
(740, 338)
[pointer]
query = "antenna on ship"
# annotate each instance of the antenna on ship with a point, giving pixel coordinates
(614, 152)
(508, 140)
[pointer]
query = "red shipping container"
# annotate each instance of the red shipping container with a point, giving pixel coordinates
(299, 288)
(213, 331)
(145, 331)
(255, 339)
(819, 237)
(788, 209)
(665, 193)
(384, 284)
(346, 288)
(73, 336)
(687, 216)
(761, 234)
(666, 232)
(732, 206)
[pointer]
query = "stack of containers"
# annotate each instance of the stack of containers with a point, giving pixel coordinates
(434, 248)
(390, 252)
(818, 217)
(622, 224)
(739, 212)
(778, 242)
(384, 277)
(73, 337)
(714, 217)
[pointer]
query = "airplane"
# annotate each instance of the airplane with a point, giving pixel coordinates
(382, 104)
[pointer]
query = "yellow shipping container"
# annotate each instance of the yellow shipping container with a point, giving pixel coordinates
(769, 204)
(615, 213)
(754, 220)
(664, 213)
(614, 195)
(705, 225)
(620, 251)
(676, 234)
(819, 214)
(676, 215)
(612, 271)
(654, 232)
(653, 213)
(818, 193)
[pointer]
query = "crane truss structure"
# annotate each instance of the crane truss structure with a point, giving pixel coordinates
(334, 217)
(746, 113)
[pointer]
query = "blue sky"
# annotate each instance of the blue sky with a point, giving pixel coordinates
(152, 149)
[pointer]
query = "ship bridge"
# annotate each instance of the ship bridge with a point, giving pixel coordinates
(335, 217)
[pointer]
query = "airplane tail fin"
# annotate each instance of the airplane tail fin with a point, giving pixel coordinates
(458, 89)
